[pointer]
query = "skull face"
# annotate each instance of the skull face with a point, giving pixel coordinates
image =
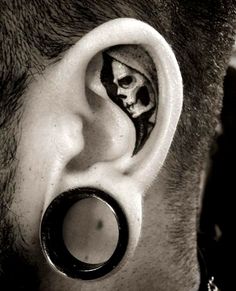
(134, 89)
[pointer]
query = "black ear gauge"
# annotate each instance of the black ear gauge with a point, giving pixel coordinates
(53, 245)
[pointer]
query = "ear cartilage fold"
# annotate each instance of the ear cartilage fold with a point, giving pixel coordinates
(53, 245)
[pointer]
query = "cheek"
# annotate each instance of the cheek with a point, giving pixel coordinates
(41, 159)
(32, 178)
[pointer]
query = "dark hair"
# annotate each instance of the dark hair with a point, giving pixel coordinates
(35, 32)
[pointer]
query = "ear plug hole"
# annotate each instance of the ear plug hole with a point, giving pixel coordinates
(72, 255)
(90, 231)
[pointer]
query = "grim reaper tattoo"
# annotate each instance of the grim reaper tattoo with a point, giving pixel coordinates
(134, 93)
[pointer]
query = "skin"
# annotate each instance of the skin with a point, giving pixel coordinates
(49, 157)
(60, 141)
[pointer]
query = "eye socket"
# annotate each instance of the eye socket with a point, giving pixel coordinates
(111, 76)
(126, 81)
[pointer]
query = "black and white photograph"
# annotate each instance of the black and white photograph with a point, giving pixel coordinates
(117, 145)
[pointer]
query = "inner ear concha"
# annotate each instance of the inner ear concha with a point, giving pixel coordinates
(130, 79)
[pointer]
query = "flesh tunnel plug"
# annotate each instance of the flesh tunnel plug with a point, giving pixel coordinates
(53, 244)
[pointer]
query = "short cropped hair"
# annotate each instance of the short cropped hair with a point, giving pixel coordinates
(35, 33)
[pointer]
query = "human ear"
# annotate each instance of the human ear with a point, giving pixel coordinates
(95, 137)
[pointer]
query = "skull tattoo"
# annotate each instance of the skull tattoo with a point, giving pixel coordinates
(133, 93)
(134, 89)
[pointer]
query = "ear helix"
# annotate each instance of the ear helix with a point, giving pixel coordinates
(130, 174)
(148, 162)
